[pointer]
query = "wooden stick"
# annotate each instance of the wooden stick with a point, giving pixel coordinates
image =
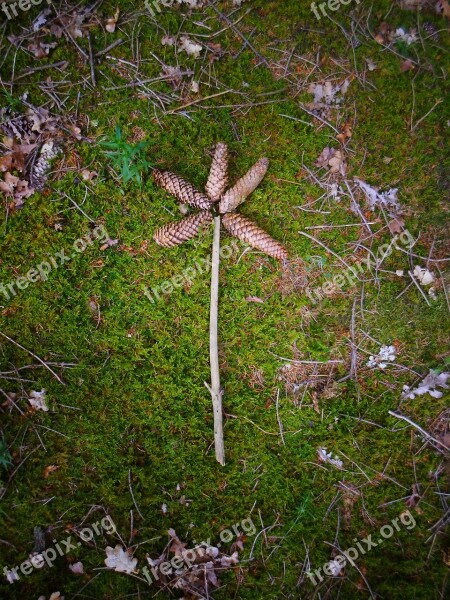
(215, 389)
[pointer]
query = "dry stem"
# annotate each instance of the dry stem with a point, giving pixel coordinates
(215, 389)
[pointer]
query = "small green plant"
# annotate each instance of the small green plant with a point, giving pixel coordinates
(5, 456)
(128, 159)
(10, 101)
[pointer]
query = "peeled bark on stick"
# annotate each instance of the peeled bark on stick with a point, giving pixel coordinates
(215, 389)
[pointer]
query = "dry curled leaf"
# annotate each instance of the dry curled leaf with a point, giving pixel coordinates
(337, 163)
(77, 568)
(406, 65)
(111, 22)
(120, 560)
(396, 225)
(15, 188)
(345, 134)
(38, 400)
(254, 299)
(191, 48)
(50, 469)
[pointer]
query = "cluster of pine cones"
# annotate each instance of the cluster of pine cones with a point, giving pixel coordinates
(216, 194)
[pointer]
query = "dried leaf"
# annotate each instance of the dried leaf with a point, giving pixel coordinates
(190, 47)
(120, 560)
(396, 225)
(88, 175)
(38, 400)
(345, 134)
(254, 299)
(77, 568)
(40, 49)
(50, 469)
(407, 65)
(337, 163)
(328, 458)
(423, 276)
(112, 22)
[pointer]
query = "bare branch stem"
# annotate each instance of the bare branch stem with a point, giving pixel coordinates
(215, 389)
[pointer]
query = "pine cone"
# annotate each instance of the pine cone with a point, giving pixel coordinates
(244, 186)
(174, 234)
(15, 125)
(431, 30)
(182, 190)
(248, 232)
(38, 164)
(218, 175)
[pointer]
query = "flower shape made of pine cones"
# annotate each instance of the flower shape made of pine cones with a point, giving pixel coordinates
(216, 194)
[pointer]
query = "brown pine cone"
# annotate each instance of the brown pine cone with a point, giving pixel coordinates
(254, 236)
(244, 186)
(182, 190)
(174, 234)
(218, 175)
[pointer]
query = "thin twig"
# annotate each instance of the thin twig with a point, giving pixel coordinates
(326, 248)
(132, 495)
(174, 110)
(91, 61)
(34, 356)
(280, 425)
(422, 431)
(438, 101)
(215, 389)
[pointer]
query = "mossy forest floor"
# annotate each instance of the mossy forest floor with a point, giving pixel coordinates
(129, 430)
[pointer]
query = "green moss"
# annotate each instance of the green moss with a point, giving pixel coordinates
(134, 404)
